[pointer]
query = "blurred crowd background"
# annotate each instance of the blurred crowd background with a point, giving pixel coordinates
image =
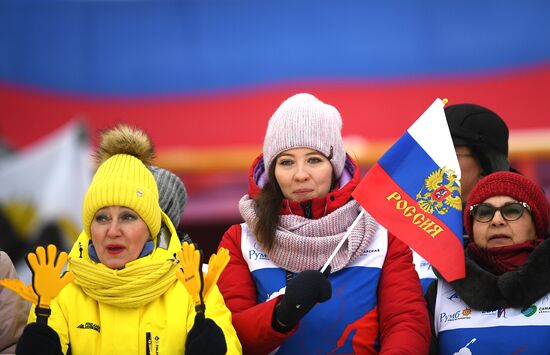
(202, 77)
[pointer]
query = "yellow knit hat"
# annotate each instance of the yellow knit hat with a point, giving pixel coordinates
(123, 180)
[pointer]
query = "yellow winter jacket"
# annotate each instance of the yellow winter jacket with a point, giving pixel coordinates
(159, 326)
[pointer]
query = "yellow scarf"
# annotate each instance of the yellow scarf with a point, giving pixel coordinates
(131, 287)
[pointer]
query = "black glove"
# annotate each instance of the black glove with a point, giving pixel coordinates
(302, 293)
(205, 338)
(38, 338)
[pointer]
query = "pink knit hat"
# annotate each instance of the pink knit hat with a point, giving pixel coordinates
(505, 183)
(303, 121)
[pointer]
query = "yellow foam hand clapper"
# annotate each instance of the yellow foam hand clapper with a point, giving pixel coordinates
(47, 280)
(190, 273)
(17, 286)
(216, 264)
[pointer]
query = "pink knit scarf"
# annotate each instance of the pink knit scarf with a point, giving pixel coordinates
(306, 244)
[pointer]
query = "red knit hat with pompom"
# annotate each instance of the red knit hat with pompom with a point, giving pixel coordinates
(522, 189)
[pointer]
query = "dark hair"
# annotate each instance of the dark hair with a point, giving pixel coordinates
(268, 205)
(490, 160)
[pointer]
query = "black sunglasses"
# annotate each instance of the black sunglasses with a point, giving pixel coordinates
(510, 211)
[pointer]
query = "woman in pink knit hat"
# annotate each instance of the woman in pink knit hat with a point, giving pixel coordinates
(297, 209)
(503, 304)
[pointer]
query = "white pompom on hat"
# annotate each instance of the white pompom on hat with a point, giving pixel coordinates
(304, 121)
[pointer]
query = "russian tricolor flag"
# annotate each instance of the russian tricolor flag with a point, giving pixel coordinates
(414, 191)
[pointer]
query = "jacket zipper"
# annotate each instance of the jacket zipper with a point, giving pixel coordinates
(306, 207)
(148, 343)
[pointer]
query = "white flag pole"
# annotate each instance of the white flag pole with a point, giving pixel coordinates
(346, 235)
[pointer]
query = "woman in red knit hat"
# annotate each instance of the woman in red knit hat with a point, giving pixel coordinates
(502, 306)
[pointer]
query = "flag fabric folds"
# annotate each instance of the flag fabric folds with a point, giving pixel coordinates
(414, 192)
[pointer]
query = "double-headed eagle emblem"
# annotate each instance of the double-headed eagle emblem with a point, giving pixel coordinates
(440, 192)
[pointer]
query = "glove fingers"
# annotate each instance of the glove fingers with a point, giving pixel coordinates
(224, 252)
(32, 260)
(12, 285)
(216, 256)
(189, 253)
(41, 255)
(187, 257)
(219, 260)
(211, 261)
(180, 276)
(17, 286)
(184, 256)
(66, 278)
(186, 251)
(222, 258)
(60, 262)
(179, 255)
(183, 253)
(9, 283)
(215, 267)
(190, 273)
(52, 253)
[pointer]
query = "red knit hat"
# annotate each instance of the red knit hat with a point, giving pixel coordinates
(505, 183)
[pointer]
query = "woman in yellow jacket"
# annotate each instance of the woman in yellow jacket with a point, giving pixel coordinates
(125, 297)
